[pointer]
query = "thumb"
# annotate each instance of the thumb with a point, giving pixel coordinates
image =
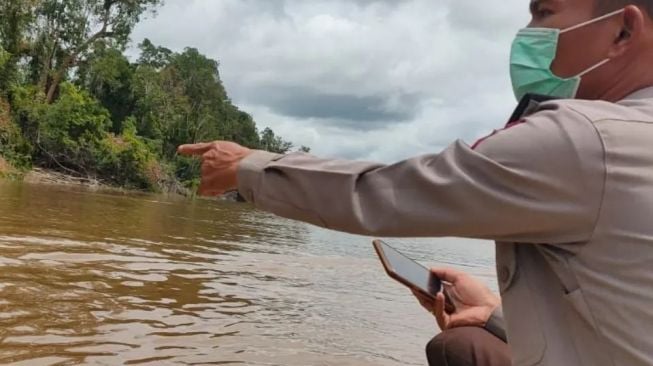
(447, 274)
(195, 149)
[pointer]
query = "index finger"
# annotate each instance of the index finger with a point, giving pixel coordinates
(195, 149)
(440, 314)
(447, 274)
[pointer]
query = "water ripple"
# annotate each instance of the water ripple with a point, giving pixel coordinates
(99, 278)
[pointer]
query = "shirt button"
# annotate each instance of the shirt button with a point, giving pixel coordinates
(504, 274)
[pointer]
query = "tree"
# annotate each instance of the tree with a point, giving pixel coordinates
(4, 58)
(272, 143)
(161, 108)
(68, 30)
(16, 16)
(151, 55)
(241, 128)
(304, 149)
(180, 98)
(108, 76)
(70, 100)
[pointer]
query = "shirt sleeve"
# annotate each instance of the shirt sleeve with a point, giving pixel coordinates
(540, 181)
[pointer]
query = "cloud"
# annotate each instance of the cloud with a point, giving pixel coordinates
(362, 79)
(357, 112)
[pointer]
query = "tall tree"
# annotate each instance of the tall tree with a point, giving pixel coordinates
(67, 30)
(108, 76)
(154, 56)
(180, 98)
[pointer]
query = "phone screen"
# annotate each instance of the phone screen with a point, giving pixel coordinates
(408, 270)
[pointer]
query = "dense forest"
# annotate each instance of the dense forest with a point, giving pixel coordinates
(72, 101)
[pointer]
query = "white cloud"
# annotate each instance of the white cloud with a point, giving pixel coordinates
(364, 79)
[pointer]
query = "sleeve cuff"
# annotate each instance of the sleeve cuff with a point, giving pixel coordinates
(250, 172)
(496, 325)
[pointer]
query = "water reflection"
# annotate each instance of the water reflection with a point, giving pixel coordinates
(106, 278)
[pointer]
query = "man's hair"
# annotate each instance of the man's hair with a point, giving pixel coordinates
(603, 6)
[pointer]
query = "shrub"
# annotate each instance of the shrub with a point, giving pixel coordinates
(71, 135)
(13, 148)
(126, 160)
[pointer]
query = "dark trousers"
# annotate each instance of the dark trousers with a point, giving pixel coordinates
(467, 346)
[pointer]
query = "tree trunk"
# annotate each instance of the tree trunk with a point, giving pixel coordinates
(47, 68)
(70, 60)
(54, 86)
(58, 77)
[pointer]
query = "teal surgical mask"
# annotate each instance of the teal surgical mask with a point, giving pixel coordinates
(532, 54)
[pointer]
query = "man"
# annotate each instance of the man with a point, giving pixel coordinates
(566, 191)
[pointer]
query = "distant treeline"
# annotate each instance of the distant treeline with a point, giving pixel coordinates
(70, 100)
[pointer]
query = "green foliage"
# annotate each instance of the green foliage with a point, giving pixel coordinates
(13, 146)
(65, 134)
(187, 170)
(179, 98)
(4, 57)
(108, 77)
(71, 129)
(71, 135)
(5, 74)
(151, 55)
(68, 31)
(27, 109)
(126, 160)
(112, 119)
(273, 143)
(161, 107)
(195, 80)
(16, 17)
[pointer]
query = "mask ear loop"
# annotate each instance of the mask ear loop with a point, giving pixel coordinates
(594, 67)
(591, 21)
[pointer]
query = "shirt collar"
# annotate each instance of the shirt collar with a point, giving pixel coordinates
(645, 93)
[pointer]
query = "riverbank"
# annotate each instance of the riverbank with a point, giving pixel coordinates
(42, 176)
(51, 177)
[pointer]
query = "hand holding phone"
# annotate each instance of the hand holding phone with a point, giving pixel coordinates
(474, 301)
(407, 271)
(411, 274)
(455, 298)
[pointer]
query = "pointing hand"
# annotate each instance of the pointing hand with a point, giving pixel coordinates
(220, 160)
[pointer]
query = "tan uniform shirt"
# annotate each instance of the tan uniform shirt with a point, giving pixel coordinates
(567, 195)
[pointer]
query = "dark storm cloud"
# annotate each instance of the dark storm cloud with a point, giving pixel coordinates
(301, 102)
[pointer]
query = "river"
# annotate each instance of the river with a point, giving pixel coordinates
(96, 278)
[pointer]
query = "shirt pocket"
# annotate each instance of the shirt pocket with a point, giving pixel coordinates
(525, 334)
(585, 335)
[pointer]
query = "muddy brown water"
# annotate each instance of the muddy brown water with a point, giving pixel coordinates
(92, 278)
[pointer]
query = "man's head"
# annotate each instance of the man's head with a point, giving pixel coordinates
(625, 38)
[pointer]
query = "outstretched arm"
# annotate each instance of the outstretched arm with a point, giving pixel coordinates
(538, 182)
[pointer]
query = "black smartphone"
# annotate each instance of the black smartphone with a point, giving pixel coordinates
(407, 271)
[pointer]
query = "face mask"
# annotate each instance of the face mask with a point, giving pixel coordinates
(532, 54)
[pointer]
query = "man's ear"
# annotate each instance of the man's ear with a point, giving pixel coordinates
(632, 26)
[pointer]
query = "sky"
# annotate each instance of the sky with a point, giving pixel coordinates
(375, 80)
